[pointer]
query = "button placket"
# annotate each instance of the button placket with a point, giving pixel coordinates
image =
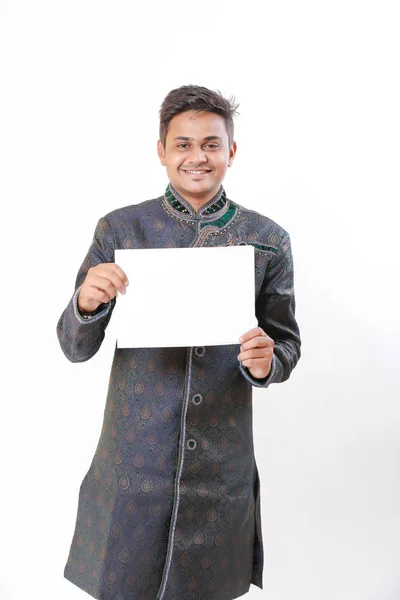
(196, 398)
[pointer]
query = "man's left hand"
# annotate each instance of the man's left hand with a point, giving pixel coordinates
(256, 352)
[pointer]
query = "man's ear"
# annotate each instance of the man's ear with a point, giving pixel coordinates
(161, 152)
(232, 152)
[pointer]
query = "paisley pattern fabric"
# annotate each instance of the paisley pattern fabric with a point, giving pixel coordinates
(169, 508)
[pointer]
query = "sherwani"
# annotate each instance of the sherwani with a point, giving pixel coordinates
(169, 508)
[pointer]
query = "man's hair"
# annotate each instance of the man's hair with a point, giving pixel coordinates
(197, 98)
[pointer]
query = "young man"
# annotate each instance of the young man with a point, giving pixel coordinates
(170, 506)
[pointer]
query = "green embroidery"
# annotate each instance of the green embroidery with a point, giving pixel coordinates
(264, 248)
(174, 202)
(218, 223)
(222, 220)
(216, 206)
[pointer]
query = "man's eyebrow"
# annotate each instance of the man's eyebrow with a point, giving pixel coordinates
(208, 138)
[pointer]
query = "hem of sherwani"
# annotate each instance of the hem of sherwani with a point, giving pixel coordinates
(89, 318)
(95, 593)
(265, 381)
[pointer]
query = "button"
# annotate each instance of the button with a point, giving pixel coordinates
(191, 444)
(197, 399)
(200, 351)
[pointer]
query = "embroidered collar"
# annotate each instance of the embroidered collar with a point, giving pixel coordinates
(181, 208)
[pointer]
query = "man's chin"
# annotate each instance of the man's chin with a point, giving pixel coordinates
(194, 187)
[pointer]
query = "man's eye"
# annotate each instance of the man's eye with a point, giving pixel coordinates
(209, 145)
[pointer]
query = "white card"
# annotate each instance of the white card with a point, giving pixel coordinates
(185, 296)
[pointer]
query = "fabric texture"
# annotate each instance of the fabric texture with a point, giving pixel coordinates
(169, 508)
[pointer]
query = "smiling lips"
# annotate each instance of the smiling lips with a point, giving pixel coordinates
(196, 172)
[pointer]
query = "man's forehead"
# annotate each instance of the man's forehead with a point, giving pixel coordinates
(191, 139)
(191, 126)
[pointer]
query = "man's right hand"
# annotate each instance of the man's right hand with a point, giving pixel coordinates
(101, 285)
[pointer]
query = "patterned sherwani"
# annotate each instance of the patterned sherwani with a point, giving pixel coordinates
(170, 506)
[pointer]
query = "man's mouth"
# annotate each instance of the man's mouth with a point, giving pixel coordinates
(196, 171)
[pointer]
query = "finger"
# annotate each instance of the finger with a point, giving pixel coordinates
(258, 370)
(103, 284)
(251, 333)
(256, 353)
(114, 274)
(260, 341)
(90, 292)
(121, 274)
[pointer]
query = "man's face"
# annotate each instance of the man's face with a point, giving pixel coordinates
(196, 142)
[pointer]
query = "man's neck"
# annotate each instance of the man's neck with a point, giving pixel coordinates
(197, 201)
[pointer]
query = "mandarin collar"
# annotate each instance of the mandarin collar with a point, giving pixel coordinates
(181, 208)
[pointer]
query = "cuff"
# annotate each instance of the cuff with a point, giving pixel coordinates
(95, 316)
(265, 381)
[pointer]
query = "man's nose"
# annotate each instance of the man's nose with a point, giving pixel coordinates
(197, 155)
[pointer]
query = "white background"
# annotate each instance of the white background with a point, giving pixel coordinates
(318, 151)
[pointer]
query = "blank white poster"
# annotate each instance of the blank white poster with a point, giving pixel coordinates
(185, 296)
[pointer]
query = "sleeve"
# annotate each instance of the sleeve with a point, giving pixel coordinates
(275, 313)
(80, 335)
